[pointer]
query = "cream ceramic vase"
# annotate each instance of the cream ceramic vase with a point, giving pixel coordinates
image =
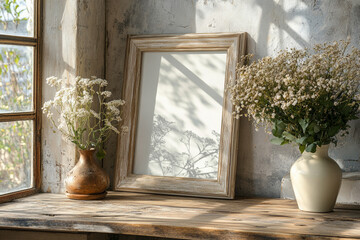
(316, 180)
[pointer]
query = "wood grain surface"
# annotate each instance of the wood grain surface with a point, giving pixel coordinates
(178, 217)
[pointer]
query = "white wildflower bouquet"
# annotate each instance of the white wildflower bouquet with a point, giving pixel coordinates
(305, 97)
(77, 118)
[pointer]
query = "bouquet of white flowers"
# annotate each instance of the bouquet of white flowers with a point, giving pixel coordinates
(304, 96)
(78, 119)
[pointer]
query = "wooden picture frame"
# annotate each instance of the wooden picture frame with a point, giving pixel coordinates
(133, 171)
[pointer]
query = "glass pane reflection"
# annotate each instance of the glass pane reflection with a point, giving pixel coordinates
(16, 78)
(16, 148)
(17, 17)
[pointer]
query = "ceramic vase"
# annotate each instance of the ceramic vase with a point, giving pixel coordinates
(87, 180)
(316, 180)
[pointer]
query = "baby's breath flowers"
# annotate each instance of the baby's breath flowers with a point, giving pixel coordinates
(306, 97)
(77, 120)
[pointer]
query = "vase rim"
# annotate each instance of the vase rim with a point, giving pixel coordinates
(323, 146)
(87, 150)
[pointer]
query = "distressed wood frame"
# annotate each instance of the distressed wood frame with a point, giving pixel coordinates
(235, 45)
(34, 115)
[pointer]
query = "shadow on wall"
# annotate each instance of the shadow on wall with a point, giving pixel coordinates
(57, 159)
(273, 14)
(138, 17)
(299, 24)
(254, 178)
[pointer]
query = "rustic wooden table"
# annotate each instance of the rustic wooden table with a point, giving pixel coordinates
(178, 217)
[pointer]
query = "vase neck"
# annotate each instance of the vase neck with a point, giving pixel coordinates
(320, 151)
(86, 155)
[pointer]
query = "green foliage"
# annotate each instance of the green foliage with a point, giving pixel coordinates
(320, 126)
(100, 153)
(320, 130)
(11, 12)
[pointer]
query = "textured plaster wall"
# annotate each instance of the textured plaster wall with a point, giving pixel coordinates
(272, 25)
(88, 37)
(72, 45)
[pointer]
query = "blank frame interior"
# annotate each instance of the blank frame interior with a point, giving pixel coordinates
(182, 138)
(179, 124)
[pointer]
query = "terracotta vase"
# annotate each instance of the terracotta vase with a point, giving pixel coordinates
(86, 181)
(316, 180)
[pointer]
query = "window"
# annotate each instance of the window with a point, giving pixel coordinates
(20, 98)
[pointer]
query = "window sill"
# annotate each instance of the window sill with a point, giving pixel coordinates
(177, 217)
(6, 197)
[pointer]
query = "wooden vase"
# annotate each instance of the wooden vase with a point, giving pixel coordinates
(87, 180)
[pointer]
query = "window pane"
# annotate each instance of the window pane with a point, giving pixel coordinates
(16, 150)
(17, 17)
(16, 74)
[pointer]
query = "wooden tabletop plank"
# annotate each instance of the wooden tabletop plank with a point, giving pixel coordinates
(178, 217)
